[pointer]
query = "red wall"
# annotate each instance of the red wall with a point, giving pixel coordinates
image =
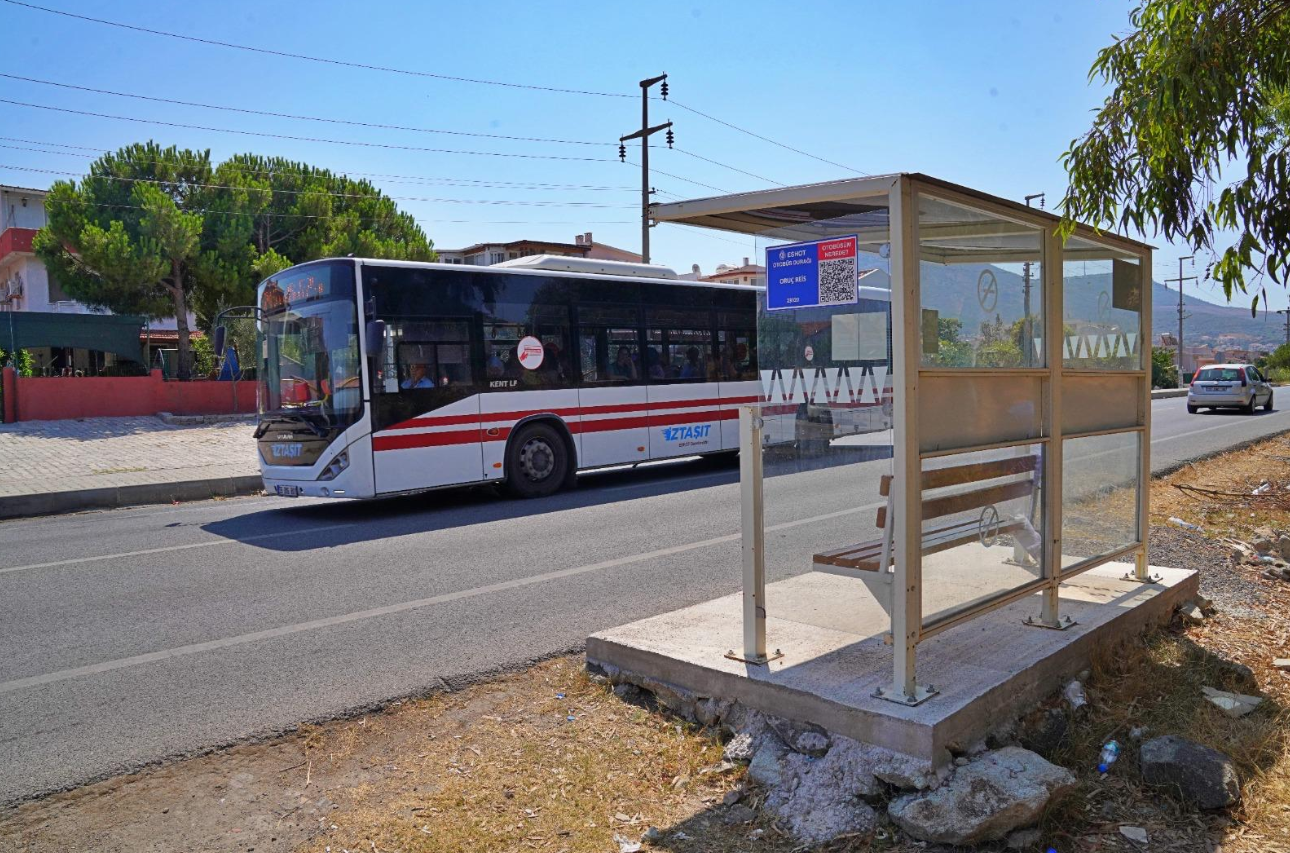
(56, 398)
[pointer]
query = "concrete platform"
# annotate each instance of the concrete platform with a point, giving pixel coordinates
(830, 629)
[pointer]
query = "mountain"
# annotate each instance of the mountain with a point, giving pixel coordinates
(952, 290)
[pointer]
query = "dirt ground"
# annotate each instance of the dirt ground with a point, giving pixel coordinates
(551, 760)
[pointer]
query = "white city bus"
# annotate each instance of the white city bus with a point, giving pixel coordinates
(386, 377)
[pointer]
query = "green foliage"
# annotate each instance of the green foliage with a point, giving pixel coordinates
(1164, 373)
(25, 363)
(1199, 90)
(161, 231)
(203, 356)
(1279, 375)
(1279, 358)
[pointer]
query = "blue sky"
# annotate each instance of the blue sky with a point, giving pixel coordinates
(987, 94)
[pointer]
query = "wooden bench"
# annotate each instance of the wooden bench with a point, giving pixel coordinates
(871, 560)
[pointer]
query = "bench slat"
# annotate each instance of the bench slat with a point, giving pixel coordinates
(939, 478)
(976, 499)
(867, 555)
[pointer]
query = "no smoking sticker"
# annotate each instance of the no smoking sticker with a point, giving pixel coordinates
(531, 353)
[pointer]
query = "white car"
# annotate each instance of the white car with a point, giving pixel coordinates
(1229, 386)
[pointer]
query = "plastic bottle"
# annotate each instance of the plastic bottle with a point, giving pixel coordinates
(1110, 752)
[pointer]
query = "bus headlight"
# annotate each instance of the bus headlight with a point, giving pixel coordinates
(333, 469)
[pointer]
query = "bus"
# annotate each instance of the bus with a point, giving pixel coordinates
(381, 378)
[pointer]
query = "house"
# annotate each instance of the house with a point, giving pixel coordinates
(604, 251)
(63, 335)
(745, 273)
(487, 254)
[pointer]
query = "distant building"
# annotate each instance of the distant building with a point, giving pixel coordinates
(487, 254)
(605, 252)
(745, 273)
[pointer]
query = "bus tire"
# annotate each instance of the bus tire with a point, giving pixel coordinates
(537, 462)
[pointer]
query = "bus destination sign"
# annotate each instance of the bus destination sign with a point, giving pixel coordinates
(814, 274)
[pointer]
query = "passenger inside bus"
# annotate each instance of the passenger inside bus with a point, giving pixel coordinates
(654, 364)
(417, 377)
(691, 369)
(623, 367)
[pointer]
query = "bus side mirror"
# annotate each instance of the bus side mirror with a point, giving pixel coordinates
(375, 337)
(219, 341)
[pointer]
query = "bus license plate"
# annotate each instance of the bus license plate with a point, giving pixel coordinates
(287, 491)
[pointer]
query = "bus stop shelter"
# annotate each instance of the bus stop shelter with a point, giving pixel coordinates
(1016, 378)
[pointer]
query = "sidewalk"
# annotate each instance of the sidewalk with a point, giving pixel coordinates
(62, 466)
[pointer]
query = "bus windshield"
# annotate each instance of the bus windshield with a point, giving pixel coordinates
(310, 363)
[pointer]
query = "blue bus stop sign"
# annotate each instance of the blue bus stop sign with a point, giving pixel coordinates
(807, 275)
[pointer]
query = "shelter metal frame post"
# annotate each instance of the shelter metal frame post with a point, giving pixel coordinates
(907, 525)
(1141, 561)
(753, 527)
(1052, 274)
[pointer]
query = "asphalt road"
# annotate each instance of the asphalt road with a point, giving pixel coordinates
(133, 635)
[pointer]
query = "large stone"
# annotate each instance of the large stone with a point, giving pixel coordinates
(818, 799)
(1200, 775)
(740, 749)
(1283, 546)
(984, 801)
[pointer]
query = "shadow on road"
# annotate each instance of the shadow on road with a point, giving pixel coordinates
(330, 524)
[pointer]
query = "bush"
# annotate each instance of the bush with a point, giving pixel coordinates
(1279, 375)
(1164, 373)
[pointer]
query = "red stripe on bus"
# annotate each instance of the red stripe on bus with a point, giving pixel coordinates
(454, 437)
(619, 408)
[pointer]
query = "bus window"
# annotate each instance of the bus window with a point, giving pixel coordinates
(502, 365)
(432, 355)
(736, 346)
(678, 346)
(609, 345)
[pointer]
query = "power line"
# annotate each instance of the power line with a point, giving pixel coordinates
(319, 59)
(586, 204)
(723, 165)
(392, 178)
(267, 135)
(408, 72)
(746, 132)
(418, 220)
(272, 114)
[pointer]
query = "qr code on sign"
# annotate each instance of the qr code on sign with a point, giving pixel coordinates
(838, 282)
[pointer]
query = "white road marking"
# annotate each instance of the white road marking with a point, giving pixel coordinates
(212, 543)
(389, 609)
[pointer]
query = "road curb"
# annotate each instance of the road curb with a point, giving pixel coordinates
(1166, 393)
(111, 497)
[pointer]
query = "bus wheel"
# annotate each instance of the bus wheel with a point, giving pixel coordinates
(537, 462)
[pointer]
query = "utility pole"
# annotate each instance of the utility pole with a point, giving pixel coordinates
(1028, 344)
(643, 135)
(1286, 311)
(1181, 314)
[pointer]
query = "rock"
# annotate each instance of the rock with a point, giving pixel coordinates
(1024, 839)
(652, 835)
(1281, 663)
(739, 749)
(1136, 834)
(819, 799)
(1263, 545)
(1243, 673)
(709, 712)
(1191, 614)
(1200, 775)
(719, 769)
(961, 761)
(1284, 572)
(627, 692)
(1234, 705)
(1271, 574)
(813, 744)
(739, 814)
(984, 801)
(732, 796)
(767, 766)
(1044, 730)
(1283, 547)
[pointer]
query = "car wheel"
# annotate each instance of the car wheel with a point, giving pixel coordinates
(1248, 408)
(1267, 407)
(1191, 410)
(537, 462)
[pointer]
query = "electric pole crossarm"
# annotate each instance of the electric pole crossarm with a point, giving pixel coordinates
(646, 132)
(643, 135)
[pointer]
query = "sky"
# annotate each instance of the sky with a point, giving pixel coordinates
(988, 94)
